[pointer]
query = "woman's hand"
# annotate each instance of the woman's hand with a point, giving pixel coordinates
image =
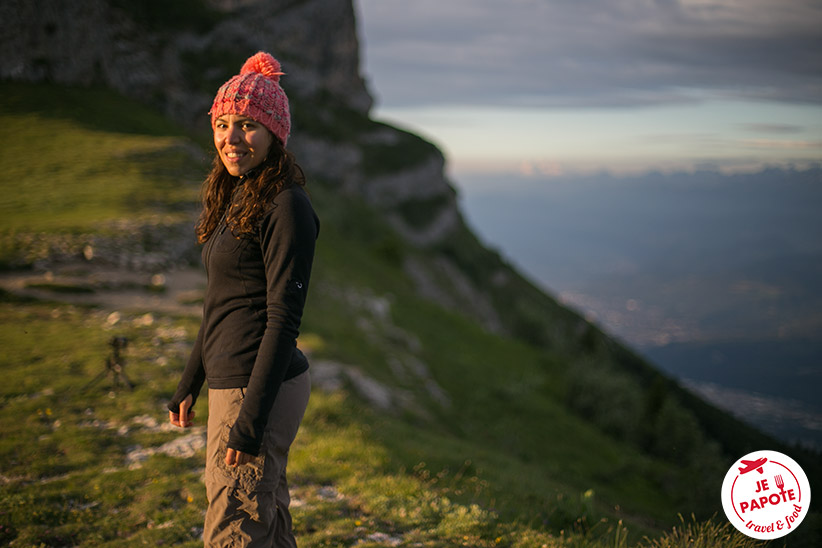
(235, 458)
(185, 417)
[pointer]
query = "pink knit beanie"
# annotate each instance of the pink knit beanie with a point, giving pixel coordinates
(256, 93)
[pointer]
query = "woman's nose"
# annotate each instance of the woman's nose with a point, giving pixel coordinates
(232, 134)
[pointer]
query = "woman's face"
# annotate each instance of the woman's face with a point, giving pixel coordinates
(241, 142)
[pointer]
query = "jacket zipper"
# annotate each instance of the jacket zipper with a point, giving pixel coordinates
(222, 225)
(213, 240)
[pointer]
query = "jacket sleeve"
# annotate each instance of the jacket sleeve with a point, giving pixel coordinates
(193, 376)
(287, 237)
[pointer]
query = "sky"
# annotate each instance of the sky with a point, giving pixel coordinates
(558, 87)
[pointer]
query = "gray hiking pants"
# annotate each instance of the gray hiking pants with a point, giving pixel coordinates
(248, 505)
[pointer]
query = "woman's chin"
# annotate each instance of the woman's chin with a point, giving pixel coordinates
(233, 169)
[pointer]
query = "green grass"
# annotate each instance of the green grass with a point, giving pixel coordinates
(65, 441)
(501, 416)
(76, 178)
(71, 170)
(65, 438)
(357, 476)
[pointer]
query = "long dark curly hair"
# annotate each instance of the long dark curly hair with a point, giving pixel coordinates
(244, 204)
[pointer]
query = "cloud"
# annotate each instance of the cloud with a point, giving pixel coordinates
(787, 145)
(568, 53)
(773, 128)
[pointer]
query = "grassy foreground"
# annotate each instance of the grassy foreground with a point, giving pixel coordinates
(88, 463)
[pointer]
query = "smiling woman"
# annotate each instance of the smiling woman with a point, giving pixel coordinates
(259, 229)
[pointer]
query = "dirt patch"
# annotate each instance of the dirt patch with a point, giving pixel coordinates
(176, 291)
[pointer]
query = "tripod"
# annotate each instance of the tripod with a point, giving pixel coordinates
(115, 365)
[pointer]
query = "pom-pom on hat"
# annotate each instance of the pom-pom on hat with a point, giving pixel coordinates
(256, 93)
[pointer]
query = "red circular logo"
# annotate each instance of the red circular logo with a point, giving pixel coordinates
(766, 495)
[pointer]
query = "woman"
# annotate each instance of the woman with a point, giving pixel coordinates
(259, 230)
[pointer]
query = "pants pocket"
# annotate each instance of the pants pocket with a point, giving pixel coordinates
(247, 477)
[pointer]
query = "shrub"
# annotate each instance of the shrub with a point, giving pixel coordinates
(609, 398)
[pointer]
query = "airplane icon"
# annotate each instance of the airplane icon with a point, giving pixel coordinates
(751, 465)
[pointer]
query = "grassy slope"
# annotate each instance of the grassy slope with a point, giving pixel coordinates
(503, 464)
(71, 167)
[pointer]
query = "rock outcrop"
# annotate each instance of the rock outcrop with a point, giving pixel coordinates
(175, 54)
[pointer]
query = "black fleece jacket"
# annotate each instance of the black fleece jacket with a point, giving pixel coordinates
(257, 287)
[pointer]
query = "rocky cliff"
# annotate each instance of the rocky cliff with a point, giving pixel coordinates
(174, 54)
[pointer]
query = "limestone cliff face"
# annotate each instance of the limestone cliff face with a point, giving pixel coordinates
(174, 54)
(170, 59)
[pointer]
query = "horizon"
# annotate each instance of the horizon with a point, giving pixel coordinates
(548, 89)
